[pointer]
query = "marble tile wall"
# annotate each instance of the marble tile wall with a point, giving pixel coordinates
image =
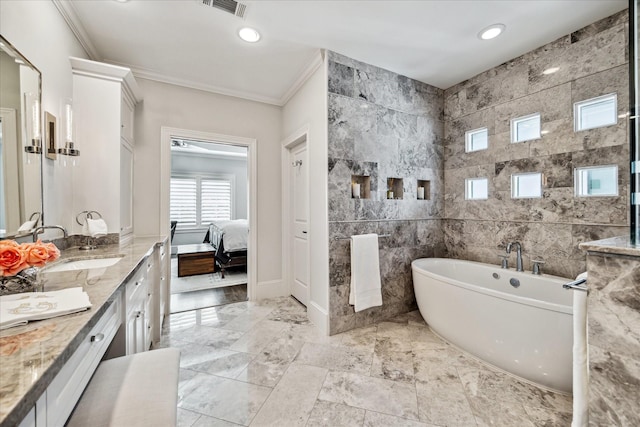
(592, 61)
(614, 337)
(382, 125)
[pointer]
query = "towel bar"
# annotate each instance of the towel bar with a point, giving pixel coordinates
(576, 284)
(87, 214)
(349, 238)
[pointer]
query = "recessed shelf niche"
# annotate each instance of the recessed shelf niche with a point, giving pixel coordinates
(424, 190)
(360, 187)
(395, 189)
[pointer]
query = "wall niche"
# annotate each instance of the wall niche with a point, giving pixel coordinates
(395, 188)
(360, 187)
(424, 190)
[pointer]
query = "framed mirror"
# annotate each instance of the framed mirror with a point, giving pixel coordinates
(20, 143)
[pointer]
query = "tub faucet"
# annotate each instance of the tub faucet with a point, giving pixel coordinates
(518, 254)
(41, 229)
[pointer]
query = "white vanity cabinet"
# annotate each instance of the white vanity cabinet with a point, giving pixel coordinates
(104, 99)
(136, 303)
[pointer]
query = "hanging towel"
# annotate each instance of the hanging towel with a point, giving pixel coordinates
(95, 227)
(28, 225)
(580, 359)
(366, 290)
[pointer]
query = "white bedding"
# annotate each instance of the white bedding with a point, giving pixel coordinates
(235, 234)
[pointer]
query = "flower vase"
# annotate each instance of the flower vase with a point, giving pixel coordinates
(24, 281)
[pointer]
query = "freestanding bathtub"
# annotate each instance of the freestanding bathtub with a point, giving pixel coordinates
(525, 330)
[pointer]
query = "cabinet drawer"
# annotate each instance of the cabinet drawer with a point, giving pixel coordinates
(67, 387)
(137, 287)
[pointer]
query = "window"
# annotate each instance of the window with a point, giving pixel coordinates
(596, 112)
(596, 181)
(198, 200)
(476, 189)
(525, 128)
(526, 185)
(476, 140)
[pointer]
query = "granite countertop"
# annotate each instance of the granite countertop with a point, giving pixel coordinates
(32, 355)
(615, 245)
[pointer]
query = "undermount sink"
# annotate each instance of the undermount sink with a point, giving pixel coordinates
(83, 264)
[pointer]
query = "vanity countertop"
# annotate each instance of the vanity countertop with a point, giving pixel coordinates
(615, 245)
(32, 355)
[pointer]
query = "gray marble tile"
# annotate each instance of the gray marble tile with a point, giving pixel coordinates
(205, 421)
(376, 419)
(371, 394)
(229, 400)
(260, 335)
(341, 79)
(444, 403)
(392, 362)
(245, 321)
(489, 411)
(268, 367)
(187, 418)
(330, 414)
(293, 399)
(541, 417)
(334, 357)
(214, 337)
(224, 363)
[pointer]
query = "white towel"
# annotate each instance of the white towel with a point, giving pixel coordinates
(28, 225)
(366, 290)
(580, 359)
(18, 309)
(95, 227)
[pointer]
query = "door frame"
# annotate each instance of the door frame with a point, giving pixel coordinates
(296, 138)
(168, 133)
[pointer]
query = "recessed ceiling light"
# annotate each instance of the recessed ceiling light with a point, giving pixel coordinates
(551, 70)
(249, 35)
(491, 32)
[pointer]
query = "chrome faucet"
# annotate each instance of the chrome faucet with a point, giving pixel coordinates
(44, 227)
(518, 254)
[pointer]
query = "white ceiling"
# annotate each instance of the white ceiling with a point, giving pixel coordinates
(187, 43)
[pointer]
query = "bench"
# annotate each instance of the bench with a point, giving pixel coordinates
(136, 390)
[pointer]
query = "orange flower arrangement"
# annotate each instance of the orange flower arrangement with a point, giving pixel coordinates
(15, 257)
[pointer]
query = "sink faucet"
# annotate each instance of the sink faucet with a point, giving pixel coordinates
(518, 254)
(44, 227)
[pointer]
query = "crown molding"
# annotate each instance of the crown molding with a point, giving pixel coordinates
(315, 63)
(142, 73)
(70, 16)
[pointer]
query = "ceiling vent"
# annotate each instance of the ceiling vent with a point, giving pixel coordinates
(231, 6)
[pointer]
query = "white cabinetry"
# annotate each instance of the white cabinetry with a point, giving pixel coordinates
(104, 103)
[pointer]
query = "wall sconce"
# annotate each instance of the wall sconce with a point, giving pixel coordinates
(69, 148)
(36, 132)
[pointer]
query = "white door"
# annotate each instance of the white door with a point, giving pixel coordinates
(299, 214)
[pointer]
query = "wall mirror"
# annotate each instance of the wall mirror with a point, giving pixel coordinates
(20, 142)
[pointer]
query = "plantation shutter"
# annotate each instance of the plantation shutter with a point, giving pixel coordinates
(216, 200)
(184, 201)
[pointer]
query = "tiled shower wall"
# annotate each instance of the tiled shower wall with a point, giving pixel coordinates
(592, 62)
(381, 125)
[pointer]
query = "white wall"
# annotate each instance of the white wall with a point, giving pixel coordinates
(191, 163)
(39, 32)
(308, 107)
(173, 106)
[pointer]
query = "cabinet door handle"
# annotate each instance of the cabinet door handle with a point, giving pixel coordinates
(138, 315)
(97, 337)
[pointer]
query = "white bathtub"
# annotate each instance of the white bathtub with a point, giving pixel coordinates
(526, 331)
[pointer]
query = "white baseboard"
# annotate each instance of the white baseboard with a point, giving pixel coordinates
(270, 289)
(319, 317)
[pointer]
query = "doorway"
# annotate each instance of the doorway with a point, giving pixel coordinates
(298, 220)
(205, 194)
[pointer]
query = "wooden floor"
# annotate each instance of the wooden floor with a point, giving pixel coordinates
(195, 300)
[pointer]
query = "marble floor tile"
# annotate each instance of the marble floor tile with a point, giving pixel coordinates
(391, 362)
(443, 402)
(356, 377)
(330, 414)
(491, 411)
(229, 400)
(293, 399)
(376, 419)
(226, 363)
(187, 418)
(260, 335)
(371, 393)
(334, 357)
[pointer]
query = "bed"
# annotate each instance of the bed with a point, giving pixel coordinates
(229, 240)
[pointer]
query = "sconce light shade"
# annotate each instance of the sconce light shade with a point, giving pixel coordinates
(69, 148)
(36, 133)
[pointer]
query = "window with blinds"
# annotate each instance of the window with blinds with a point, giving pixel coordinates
(197, 201)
